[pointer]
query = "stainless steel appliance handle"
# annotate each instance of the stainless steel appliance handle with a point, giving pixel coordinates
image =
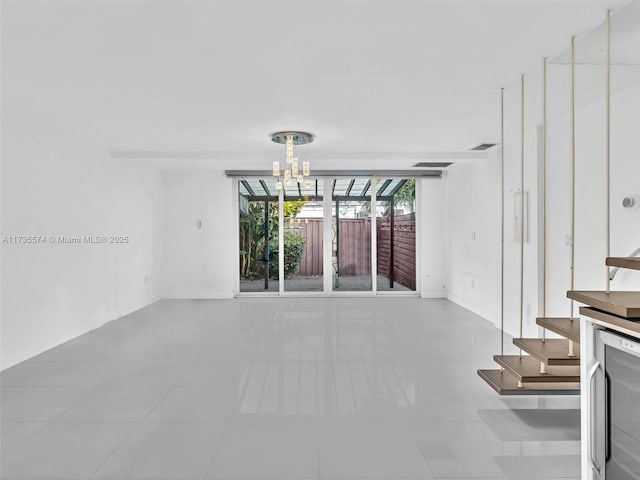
(607, 421)
(590, 383)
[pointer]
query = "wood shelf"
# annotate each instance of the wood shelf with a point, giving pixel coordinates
(565, 326)
(623, 304)
(505, 383)
(527, 370)
(553, 351)
(632, 263)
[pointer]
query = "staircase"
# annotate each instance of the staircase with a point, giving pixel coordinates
(552, 366)
(632, 263)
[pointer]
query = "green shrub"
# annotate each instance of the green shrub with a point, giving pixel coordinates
(293, 250)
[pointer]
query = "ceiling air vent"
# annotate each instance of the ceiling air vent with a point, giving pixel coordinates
(483, 146)
(433, 164)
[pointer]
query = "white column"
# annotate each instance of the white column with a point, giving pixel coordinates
(281, 240)
(327, 235)
(374, 241)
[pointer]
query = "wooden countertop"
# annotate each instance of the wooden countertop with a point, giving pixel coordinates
(613, 322)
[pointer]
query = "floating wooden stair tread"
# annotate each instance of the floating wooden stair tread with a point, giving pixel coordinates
(506, 384)
(564, 326)
(553, 351)
(623, 304)
(624, 262)
(527, 370)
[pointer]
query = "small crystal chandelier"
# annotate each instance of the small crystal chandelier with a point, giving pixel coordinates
(295, 170)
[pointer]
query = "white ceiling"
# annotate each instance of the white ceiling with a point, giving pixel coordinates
(380, 83)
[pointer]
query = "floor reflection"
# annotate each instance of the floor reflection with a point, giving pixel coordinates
(286, 388)
(321, 363)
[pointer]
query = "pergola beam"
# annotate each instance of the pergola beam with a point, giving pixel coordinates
(384, 186)
(342, 198)
(264, 186)
(397, 187)
(366, 188)
(248, 187)
(353, 180)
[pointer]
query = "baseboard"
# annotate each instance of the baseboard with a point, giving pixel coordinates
(433, 294)
(202, 296)
(32, 351)
(458, 301)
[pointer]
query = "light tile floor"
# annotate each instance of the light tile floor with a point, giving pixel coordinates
(330, 388)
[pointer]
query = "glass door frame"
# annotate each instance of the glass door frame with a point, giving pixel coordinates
(329, 205)
(327, 248)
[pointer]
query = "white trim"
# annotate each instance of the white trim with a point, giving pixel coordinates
(222, 295)
(401, 293)
(353, 293)
(35, 350)
(432, 294)
(418, 233)
(332, 294)
(327, 238)
(587, 355)
(257, 294)
(304, 293)
(458, 301)
(235, 204)
(374, 236)
(327, 249)
(280, 241)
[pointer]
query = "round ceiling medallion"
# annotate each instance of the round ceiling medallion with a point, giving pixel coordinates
(299, 138)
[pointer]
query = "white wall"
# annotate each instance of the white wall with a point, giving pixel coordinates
(625, 173)
(202, 263)
(473, 205)
(473, 236)
(199, 263)
(431, 218)
(54, 183)
(590, 231)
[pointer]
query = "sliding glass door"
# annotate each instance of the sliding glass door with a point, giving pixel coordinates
(351, 235)
(258, 236)
(395, 235)
(333, 235)
(303, 237)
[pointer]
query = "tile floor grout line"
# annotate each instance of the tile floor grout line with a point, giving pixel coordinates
(6, 454)
(89, 391)
(215, 454)
(353, 387)
(317, 384)
(413, 434)
(134, 429)
(55, 419)
(319, 455)
(264, 386)
(126, 437)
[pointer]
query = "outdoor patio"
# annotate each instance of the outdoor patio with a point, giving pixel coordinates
(353, 283)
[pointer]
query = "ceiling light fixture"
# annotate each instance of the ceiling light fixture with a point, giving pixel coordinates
(294, 169)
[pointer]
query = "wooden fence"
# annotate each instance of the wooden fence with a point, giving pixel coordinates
(404, 249)
(311, 262)
(355, 248)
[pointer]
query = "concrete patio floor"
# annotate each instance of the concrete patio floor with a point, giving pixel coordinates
(355, 283)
